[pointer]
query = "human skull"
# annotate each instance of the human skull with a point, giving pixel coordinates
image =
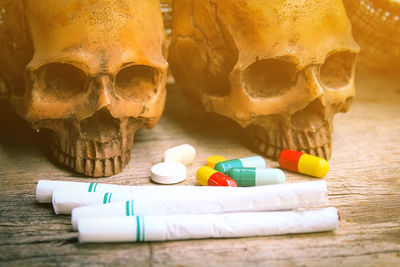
(94, 72)
(280, 69)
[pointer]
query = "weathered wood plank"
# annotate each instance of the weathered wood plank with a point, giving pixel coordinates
(363, 183)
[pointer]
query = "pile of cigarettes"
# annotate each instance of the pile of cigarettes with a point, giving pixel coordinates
(120, 213)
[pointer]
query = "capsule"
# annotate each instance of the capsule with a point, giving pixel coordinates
(208, 176)
(250, 162)
(256, 176)
(303, 163)
(212, 160)
(184, 154)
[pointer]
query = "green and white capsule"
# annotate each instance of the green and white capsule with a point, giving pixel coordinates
(249, 162)
(256, 176)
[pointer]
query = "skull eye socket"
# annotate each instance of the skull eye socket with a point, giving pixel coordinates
(138, 81)
(269, 77)
(60, 81)
(337, 70)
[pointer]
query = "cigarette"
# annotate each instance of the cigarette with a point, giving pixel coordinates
(204, 199)
(46, 188)
(175, 227)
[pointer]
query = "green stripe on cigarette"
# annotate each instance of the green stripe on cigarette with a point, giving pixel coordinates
(105, 198)
(90, 187)
(143, 228)
(133, 213)
(94, 190)
(127, 208)
(137, 229)
(109, 198)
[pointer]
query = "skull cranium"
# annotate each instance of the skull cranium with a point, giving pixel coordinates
(94, 73)
(280, 69)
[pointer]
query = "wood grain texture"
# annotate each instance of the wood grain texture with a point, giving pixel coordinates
(363, 183)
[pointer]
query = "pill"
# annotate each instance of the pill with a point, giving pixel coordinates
(303, 163)
(256, 176)
(208, 176)
(168, 172)
(184, 154)
(250, 162)
(212, 160)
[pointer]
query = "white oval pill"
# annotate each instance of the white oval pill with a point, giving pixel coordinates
(168, 172)
(184, 154)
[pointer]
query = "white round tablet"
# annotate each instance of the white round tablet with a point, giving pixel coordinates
(168, 172)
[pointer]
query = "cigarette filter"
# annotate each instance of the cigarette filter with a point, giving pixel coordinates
(174, 227)
(258, 198)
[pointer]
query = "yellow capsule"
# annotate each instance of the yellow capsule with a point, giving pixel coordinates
(212, 160)
(313, 165)
(203, 174)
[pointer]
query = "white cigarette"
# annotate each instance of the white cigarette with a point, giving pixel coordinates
(173, 227)
(66, 200)
(206, 199)
(45, 188)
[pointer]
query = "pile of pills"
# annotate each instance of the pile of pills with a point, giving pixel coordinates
(250, 171)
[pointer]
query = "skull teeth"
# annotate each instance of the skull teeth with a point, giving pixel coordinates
(108, 167)
(91, 167)
(271, 143)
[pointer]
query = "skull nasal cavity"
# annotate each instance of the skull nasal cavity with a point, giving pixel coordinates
(312, 117)
(101, 126)
(269, 77)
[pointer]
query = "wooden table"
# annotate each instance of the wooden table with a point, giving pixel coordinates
(363, 183)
